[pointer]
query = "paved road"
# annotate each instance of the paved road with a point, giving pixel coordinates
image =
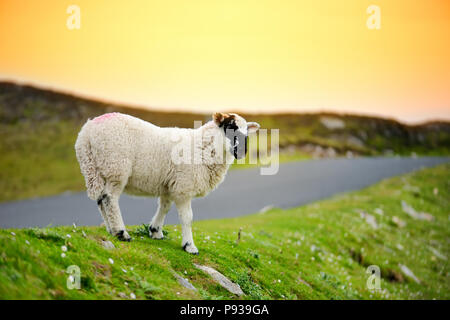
(243, 192)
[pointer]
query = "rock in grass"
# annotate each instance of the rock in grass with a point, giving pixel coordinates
(414, 214)
(409, 273)
(266, 208)
(184, 282)
(108, 245)
(370, 219)
(437, 253)
(397, 221)
(221, 279)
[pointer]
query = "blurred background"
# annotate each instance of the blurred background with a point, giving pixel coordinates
(334, 86)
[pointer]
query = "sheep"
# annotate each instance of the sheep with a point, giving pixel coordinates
(120, 153)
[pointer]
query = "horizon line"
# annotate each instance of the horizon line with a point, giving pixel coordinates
(131, 105)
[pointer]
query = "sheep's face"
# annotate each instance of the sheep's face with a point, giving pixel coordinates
(236, 131)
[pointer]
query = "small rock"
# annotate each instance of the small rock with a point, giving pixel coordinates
(370, 219)
(332, 123)
(222, 280)
(414, 214)
(108, 245)
(409, 273)
(379, 211)
(123, 295)
(184, 282)
(266, 208)
(400, 223)
(299, 279)
(437, 253)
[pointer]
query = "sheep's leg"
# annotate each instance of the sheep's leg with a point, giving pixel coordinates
(103, 213)
(185, 215)
(157, 223)
(109, 203)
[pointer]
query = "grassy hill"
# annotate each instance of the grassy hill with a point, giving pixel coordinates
(318, 251)
(38, 129)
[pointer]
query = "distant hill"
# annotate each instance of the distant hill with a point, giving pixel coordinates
(308, 132)
(38, 129)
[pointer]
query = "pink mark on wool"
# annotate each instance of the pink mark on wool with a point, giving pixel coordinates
(104, 117)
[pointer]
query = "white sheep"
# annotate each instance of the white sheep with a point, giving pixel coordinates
(118, 152)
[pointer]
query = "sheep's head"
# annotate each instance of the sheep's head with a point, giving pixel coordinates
(236, 131)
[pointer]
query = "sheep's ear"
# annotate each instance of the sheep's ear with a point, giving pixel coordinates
(252, 127)
(219, 117)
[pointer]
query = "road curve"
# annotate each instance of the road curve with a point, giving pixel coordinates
(242, 192)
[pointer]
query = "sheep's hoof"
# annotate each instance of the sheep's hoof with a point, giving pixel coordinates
(122, 235)
(155, 233)
(189, 248)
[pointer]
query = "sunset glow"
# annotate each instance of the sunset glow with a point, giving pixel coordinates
(254, 56)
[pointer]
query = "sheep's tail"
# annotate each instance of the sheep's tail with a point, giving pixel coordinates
(94, 182)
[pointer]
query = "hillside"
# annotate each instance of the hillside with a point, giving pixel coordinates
(38, 129)
(400, 225)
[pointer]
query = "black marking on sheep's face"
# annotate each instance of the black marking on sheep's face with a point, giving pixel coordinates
(237, 138)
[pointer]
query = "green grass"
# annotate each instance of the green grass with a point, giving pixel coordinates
(318, 251)
(38, 160)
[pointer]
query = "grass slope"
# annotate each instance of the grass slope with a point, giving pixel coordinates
(318, 251)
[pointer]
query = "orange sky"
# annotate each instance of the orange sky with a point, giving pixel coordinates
(237, 54)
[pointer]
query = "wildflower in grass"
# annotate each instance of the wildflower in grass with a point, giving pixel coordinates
(68, 236)
(63, 255)
(13, 233)
(63, 248)
(132, 296)
(111, 261)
